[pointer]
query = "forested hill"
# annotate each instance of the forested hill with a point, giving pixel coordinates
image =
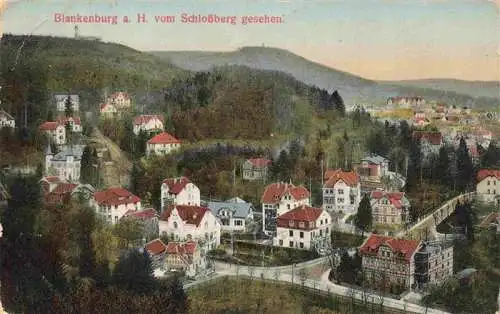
(354, 89)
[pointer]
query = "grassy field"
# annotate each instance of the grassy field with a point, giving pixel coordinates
(238, 295)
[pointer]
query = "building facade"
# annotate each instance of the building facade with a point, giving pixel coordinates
(255, 169)
(6, 120)
(65, 164)
(433, 264)
(61, 99)
(185, 257)
(488, 186)
(55, 131)
(162, 144)
(389, 208)
(113, 203)
(179, 191)
(233, 216)
(148, 123)
(341, 192)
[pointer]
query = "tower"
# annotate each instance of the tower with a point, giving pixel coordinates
(76, 32)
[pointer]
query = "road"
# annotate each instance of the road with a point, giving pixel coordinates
(296, 276)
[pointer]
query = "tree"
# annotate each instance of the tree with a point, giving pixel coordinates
(86, 166)
(363, 218)
(338, 103)
(83, 225)
(442, 169)
(134, 272)
(68, 107)
(50, 115)
(69, 132)
(414, 166)
(491, 157)
(465, 168)
(128, 230)
(135, 179)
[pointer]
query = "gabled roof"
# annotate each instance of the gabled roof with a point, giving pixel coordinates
(240, 210)
(396, 198)
(51, 179)
(6, 115)
(259, 162)
(147, 213)
(181, 248)
(145, 118)
(405, 247)
(486, 173)
(302, 213)
(374, 159)
(435, 138)
(75, 151)
(156, 247)
(176, 185)
(115, 196)
(49, 126)
(275, 191)
(64, 120)
(163, 138)
(192, 215)
(118, 94)
(350, 178)
(59, 193)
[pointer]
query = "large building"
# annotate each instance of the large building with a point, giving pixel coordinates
(303, 227)
(279, 198)
(162, 144)
(65, 164)
(112, 204)
(433, 264)
(179, 191)
(389, 208)
(488, 186)
(235, 216)
(341, 192)
(61, 100)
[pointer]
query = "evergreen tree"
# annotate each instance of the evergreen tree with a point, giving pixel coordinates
(491, 157)
(85, 223)
(50, 115)
(465, 168)
(69, 133)
(338, 103)
(281, 169)
(345, 271)
(141, 143)
(414, 166)
(135, 179)
(134, 272)
(68, 107)
(442, 169)
(86, 166)
(363, 219)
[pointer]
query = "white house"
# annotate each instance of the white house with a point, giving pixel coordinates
(55, 131)
(279, 198)
(185, 223)
(65, 164)
(108, 110)
(233, 215)
(488, 186)
(113, 203)
(304, 227)
(148, 123)
(342, 191)
(120, 100)
(75, 123)
(6, 120)
(179, 191)
(162, 144)
(61, 102)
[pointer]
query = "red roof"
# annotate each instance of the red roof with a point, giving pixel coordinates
(175, 185)
(181, 248)
(64, 120)
(164, 138)
(51, 179)
(145, 118)
(156, 247)
(485, 173)
(302, 213)
(143, 214)
(49, 126)
(394, 197)
(115, 196)
(405, 247)
(191, 215)
(435, 138)
(259, 162)
(350, 178)
(118, 94)
(273, 192)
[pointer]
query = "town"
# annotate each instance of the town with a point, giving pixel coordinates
(383, 208)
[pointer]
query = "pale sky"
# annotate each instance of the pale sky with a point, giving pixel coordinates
(376, 39)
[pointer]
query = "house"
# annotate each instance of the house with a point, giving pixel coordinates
(304, 227)
(65, 164)
(389, 208)
(433, 263)
(405, 102)
(113, 203)
(421, 121)
(256, 168)
(233, 215)
(185, 257)
(65, 191)
(389, 261)
(49, 183)
(186, 223)
(179, 191)
(372, 168)
(149, 218)
(488, 186)
(157, 251)
(108, 110)
(430, 142)
(6, 120)
(341, 191)
(55, 131)
(162, 144)
(75, 123)
(279, 198)
(61, 100)
(120, 100)
(148, 123)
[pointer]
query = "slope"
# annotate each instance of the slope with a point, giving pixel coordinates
(353, 88)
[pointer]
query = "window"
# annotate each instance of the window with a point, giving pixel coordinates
(488, 182)
(340, 191)
(288, 206)
(320, 232)
(281, 242)
(301, 235)
(290, 233)
(290, 223)
(301, 224)
(175, 224)
(238, 222)
(326, 221)
(290, 244)
(301, 245)
(321, 222)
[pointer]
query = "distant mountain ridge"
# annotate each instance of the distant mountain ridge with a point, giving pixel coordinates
(353, 88)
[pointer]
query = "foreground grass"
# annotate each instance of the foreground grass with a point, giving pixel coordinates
(237, 295)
